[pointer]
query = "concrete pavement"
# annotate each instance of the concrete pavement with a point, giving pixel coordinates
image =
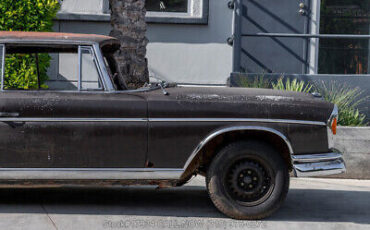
(311, 204)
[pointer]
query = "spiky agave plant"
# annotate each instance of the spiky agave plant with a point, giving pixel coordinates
(347, 99)
(292, 85)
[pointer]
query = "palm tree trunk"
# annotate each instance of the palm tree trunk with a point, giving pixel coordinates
(129, 26)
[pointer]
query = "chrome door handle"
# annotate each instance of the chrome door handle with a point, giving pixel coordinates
(9, 114)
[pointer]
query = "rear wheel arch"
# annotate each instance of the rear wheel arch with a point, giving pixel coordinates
(213, 143)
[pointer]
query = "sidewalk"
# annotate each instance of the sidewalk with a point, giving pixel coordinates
(311, 204)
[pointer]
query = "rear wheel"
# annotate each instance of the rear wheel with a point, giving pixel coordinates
(248, 180)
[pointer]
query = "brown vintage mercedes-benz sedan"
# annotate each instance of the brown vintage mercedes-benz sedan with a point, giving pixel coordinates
(81, 127)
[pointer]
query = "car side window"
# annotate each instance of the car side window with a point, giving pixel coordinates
(58, 68)
(90, 79)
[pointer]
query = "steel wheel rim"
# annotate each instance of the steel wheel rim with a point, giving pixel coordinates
(249, 181)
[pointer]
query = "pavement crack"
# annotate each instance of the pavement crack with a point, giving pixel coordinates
(47, 214)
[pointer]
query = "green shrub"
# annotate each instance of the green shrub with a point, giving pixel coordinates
(347, 99)
(26, 15)
(21, 71)
(292, 85)
(257, 82)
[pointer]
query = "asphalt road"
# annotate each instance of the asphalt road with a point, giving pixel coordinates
(311, 204)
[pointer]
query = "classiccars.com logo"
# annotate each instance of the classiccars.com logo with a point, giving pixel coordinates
(181, 224)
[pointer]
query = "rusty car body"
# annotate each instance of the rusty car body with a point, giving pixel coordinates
(159, 134)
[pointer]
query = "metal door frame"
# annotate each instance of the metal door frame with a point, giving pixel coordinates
(238, 36)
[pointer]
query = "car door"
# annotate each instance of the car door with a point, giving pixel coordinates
(72, 130)
(86, 128)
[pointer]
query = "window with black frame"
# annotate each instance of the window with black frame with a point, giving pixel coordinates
(179, 6)
(344, 56)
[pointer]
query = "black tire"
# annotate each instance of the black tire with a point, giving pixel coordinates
(248, 180)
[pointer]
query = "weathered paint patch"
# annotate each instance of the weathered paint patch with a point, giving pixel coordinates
(274, 98)
(212, 97)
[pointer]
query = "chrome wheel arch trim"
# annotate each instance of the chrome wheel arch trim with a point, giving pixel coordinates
(236, 128)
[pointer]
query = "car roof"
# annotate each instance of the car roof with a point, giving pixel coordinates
(55, 38)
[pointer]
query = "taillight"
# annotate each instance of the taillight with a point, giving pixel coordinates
(334, 126)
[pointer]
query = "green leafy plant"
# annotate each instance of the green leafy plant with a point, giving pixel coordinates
(292, 85)
(21, 71)
(257, 82)
(347, 99)
(26, 15)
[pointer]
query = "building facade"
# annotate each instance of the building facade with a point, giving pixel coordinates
(187, 41)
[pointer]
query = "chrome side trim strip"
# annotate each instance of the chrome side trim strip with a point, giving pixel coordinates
(89, 174)
(323, 164)
(20, 119)
(37, 119)
(287, 121)
(236, 128)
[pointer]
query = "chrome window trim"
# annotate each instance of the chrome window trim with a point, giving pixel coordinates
(96, 63)
(79, 81)
(104, 76)
(89, 173)
(2, 66)
(236, 128)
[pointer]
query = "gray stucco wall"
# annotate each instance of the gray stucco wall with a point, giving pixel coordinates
(355, 144)
(193, 53)
(183, 53)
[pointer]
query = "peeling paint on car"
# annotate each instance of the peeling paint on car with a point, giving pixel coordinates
(274, 98)
(212, 97)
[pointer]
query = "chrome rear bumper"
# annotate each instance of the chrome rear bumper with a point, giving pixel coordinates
(322, 164)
